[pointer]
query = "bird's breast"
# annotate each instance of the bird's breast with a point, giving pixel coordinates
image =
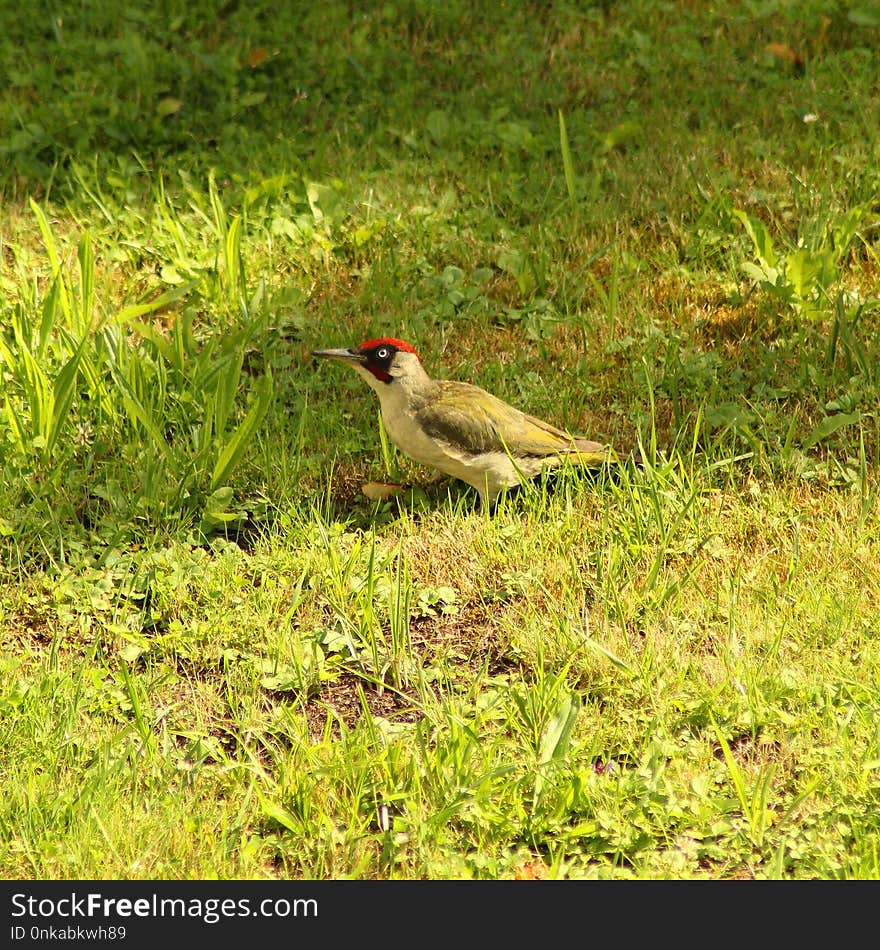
(408, 435)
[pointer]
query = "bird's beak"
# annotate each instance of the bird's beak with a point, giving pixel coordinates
(346, 356)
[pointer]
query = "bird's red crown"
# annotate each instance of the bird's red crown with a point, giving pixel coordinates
(391, 341)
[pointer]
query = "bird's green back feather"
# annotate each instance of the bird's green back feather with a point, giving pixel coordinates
(478, 422)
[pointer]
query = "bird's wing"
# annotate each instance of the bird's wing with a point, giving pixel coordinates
(576, 445)
(469, 417)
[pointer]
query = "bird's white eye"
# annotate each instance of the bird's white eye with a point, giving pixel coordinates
(382, 353)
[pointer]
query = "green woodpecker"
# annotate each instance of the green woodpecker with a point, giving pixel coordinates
(457, 428)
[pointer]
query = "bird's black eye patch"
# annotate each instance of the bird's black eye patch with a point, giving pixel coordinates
(381, 356)
(378, 360)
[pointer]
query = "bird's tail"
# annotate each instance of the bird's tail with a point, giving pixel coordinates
(591, 454)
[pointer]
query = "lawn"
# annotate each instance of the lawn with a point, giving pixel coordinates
(653, 223)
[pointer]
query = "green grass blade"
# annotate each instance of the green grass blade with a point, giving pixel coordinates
(135, 311)
(49, 319)
(228, 379)
(388, 451)
(54, 259)
(38, 393)
(567, 162)
(557, 735)
(86, 258)
(64, 391)
(829, 425)
(233, 259)
(609, 655)
(736, 775)
(137, 412)
(237, 445)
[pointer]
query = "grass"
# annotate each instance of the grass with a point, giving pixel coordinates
(656, 225)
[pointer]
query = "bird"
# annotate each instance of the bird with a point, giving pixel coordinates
(457, 428)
